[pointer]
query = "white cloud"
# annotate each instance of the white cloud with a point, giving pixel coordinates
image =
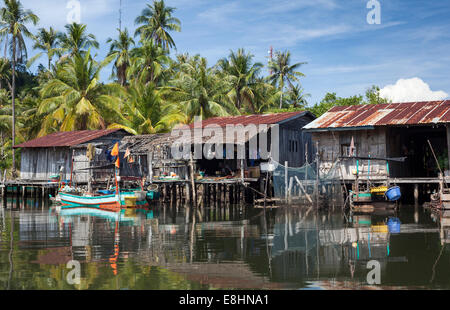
(410, 90)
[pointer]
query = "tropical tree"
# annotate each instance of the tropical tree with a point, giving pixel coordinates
(120, 48)
(76, 100)
(13, 21)
(5, 73)
(148, 62)
(330, 100)
(5, 120)
(283, 72)
(156, 21)
(297, 97)
(48, 42)
(141, 109)
(198, 91)
(76, 39)
(243, 75)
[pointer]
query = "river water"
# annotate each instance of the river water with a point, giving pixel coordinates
(165, 247)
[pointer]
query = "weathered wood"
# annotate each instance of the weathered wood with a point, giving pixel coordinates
(303, 189)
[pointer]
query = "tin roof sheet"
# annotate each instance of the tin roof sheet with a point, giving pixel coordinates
(392, 114)
(66, 138)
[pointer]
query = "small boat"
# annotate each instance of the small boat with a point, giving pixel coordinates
(376, 198)
(101, 202)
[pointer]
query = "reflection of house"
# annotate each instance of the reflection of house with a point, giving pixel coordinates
(384, 130)
(43, 157)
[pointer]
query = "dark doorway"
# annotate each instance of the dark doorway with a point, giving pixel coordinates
(412, 143)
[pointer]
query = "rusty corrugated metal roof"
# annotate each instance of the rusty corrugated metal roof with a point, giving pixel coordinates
(392, 114)
(255, 119)
(66, 138)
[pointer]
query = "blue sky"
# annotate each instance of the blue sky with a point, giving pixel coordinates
(345, 54)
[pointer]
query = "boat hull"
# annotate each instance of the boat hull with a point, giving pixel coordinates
(106, 202)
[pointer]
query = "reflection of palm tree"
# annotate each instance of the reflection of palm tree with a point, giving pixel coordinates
(156, 21)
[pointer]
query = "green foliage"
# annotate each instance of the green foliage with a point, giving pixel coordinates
(150, 90)
(330, 100)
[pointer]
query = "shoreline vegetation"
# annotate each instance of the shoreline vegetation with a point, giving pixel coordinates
(149, 90)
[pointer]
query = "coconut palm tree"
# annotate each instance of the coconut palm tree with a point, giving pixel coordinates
(48, 42)
(76, 39)
(76, 100)
(141, 109)
(283, 72)
(148, 62)
(5, 73)
(297, 97)
(13, 21)
(5, 120)
(156, 21)
(198, 91)
(243, 74)
(120, 48)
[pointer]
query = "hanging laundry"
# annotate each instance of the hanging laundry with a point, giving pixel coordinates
(115, 150)
(131, 159)
(90, 152)
(127, 153)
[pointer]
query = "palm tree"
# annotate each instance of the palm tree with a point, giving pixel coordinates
(5, 120)
(283, 71)
(13, 20)
(5, 73)
(148, 62)
(243, 74)
(297, 97)
(198, 91)
(141, 110)
(76, 40)
(156, 21)
(48, 42)
(76, 100)
(120, 48)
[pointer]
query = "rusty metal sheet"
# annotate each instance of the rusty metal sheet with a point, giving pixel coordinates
(66, 138)
(392, 114)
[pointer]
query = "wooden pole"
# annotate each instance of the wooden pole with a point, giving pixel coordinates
(191, 166)
(316, 189)
(286, 180)
(71, 167)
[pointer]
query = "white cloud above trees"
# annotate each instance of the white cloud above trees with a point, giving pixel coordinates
(409, 90)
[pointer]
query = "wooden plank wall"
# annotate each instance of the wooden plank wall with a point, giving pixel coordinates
(371, 142)
(40, 163)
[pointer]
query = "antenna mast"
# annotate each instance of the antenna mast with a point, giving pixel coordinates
(120, 15)
(270, 56)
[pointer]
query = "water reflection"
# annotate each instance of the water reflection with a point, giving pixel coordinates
(177, 247)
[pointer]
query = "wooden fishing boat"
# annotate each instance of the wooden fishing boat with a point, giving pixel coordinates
(101, 202)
